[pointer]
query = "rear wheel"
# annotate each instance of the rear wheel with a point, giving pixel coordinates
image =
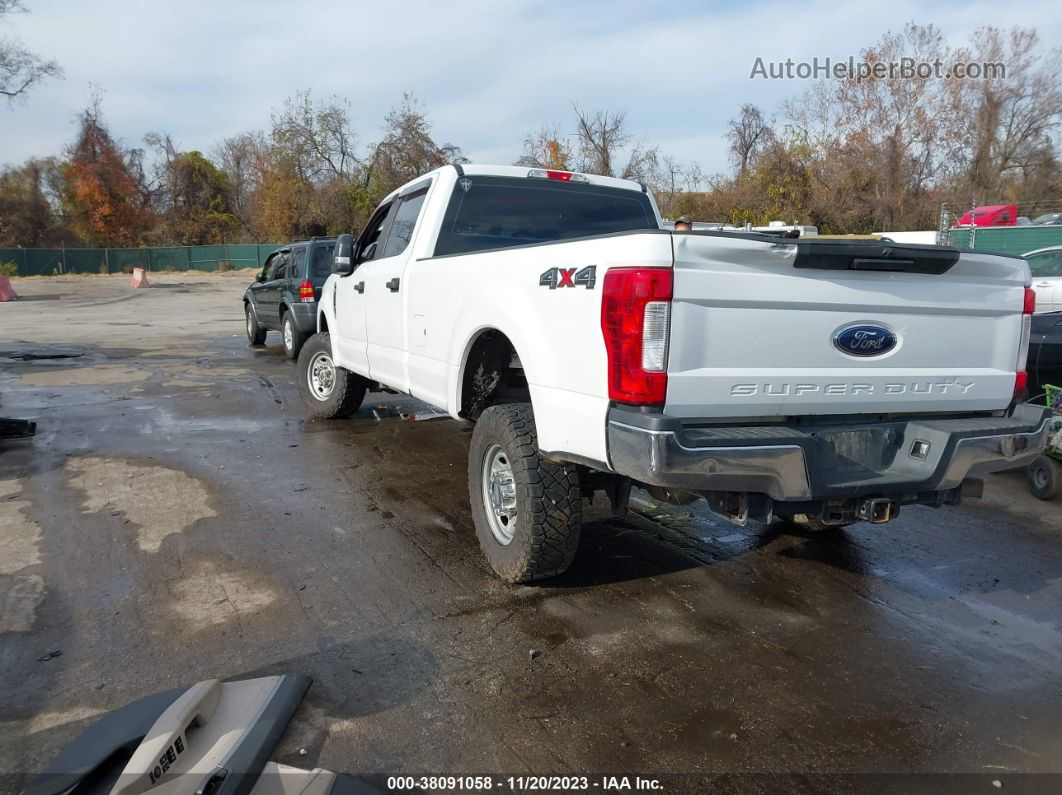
(293, 338)
(1043, 478)
(255, 334)
(527, 510)
(329, 392)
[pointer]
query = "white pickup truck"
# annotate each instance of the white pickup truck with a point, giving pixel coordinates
(822, 381)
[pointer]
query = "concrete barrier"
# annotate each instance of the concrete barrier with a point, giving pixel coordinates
(139, 278)
(7, 292)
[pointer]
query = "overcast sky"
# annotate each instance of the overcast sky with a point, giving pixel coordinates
(486, 71)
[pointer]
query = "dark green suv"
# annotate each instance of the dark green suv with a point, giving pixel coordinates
(284, 296)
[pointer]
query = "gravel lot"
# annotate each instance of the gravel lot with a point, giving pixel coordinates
(176, 518)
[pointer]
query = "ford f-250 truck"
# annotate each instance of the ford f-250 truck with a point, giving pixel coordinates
(823, 381)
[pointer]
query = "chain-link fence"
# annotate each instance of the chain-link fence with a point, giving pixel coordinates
(54, 261)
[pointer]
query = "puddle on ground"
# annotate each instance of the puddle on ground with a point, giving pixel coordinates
(210, 373)
(160, 501)
(211, 595)
(166, 422)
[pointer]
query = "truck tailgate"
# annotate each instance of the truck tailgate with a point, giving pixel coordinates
(760, 329)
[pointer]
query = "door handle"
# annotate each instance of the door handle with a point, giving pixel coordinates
(1043, 284)
(393, 285)
(360, 287)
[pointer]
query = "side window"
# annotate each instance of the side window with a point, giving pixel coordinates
(369, 239)
(298, 262)
(321, 265)
(282, 265)
(405, 222)
(1047, 264)
(270, 266)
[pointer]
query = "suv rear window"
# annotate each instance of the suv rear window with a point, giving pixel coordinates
(499, 212)
(321, 264)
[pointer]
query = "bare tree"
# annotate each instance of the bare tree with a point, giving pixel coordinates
(1012, 119)
(407, 148)
(547, 147)
(240, 157)
(601, 135)
(20, 69)
(747, 135)
(602, 140)
(318, 136)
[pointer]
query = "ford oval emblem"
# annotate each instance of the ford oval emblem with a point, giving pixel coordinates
(864, 339)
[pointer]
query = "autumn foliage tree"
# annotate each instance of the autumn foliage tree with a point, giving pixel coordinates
(100, 196)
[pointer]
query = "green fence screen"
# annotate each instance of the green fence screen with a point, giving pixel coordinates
(54, 261)
(1017, 240)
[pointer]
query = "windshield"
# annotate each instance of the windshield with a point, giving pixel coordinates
(499, 212)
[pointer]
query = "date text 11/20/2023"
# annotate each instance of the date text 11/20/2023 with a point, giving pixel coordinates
(523, 783)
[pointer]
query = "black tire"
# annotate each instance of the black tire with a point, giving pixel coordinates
(347, 389)
(547, 516)
(1042, 477)
(255, 334)
(293, 338)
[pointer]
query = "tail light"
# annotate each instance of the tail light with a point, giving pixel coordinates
(635, 319)
(1021, 377)
(306, 291)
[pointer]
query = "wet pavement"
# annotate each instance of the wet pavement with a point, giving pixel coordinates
(176, 518)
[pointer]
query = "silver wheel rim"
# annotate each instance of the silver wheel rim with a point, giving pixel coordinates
(1040, 477)
(321, 376)
(289, 340)
(250, 325)
(499, 494)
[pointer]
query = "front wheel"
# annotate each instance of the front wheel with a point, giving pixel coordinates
(1042, 478)
(329, 391)
(293, 338)
(527, 510)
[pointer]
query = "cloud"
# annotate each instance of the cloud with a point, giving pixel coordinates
(486, 71)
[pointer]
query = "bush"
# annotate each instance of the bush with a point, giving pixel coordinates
(8, 269)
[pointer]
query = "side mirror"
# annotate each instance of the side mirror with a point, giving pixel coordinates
(343, 255)
(261, 277)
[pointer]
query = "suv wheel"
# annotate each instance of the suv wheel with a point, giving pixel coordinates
(1042, 478)
(293, 338)
(255, 334)
(527, 510)
(329, 392)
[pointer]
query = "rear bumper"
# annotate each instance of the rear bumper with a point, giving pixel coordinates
(305, 315)
(814, 462)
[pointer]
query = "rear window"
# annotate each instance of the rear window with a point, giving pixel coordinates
(500, 212)
(321, 264)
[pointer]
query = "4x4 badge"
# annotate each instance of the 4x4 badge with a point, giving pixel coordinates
(569, 277)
